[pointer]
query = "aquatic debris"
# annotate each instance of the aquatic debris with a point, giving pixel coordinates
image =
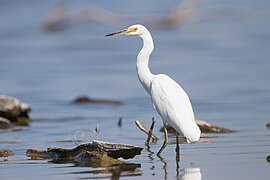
(268, 125)
(6, 153)
(205, 127)
(85, 99)
(119, 123)
(14, 110)
(148, 132)
(96, 152)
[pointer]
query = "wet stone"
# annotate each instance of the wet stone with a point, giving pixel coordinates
(6, 153)
(14, 110)
(98, 152)
(4, 123)
(205, 127)
(208, 128)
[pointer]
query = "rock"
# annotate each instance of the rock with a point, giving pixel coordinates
(4, 123)
(96, 152)
(6, 153)
(268, 159)
(208, 128)
(14, 110)
(85, 99)
(268, 125)
(96, 159)
(205, 127)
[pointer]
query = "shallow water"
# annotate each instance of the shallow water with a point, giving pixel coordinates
(223, 64)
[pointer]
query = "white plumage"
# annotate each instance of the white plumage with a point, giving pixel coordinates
(174, 107)
(168, 98)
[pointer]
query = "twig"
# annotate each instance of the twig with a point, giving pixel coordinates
(150, 131)
(145, 130)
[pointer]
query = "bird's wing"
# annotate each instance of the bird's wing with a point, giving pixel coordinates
(174, 107)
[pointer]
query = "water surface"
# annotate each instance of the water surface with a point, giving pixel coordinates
(223, 64)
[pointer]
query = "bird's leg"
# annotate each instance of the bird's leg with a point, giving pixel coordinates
(177, 158)
(165, 140)
(177, 149)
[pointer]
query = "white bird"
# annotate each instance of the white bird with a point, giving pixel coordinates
(169, 99)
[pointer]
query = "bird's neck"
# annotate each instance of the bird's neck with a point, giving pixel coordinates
(143, 71)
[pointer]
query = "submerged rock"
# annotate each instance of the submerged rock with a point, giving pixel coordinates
(4, 123)
(85, 99)
(6, 153)
(97, 152)
(205, 127)
(14, 110)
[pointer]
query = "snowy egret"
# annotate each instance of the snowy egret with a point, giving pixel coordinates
(169, 99)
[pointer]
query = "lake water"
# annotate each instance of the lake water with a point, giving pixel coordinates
(221, 61)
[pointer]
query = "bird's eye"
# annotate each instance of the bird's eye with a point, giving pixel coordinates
(133, 29)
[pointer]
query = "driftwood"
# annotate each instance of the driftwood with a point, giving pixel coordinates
(150, 132)
(6, 153)
(85, 99)
(205, 127)
(97, 152)
(145, 130)
(14, 110)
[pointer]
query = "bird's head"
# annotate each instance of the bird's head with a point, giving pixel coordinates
(136, 29)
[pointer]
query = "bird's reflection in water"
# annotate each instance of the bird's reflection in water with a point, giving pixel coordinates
(192, 172)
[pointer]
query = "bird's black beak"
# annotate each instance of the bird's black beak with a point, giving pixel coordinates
(124, 31)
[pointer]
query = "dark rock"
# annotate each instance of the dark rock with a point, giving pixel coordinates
(4, 123)
(13, 110)
(208, 128)
(205, 127)
(268, 159)
(85, 99)
(6, 153)
(268, 125)
(97, 150)
(96, 159)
